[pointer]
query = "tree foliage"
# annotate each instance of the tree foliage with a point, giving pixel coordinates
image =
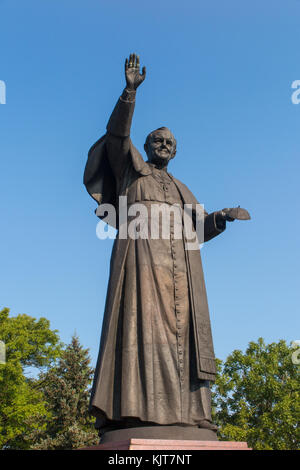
(29, 343)
(256, 397)
(65, 389)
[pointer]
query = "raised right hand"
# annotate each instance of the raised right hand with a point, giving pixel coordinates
(132, 72)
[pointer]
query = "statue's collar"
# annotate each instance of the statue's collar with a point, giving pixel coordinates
(154, 167)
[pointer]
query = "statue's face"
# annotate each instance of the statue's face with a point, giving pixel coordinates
(161, 147)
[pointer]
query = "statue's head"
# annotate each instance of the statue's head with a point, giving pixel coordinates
(160, 146)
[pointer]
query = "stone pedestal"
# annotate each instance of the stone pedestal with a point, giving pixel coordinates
(168, 444)
(177, 433)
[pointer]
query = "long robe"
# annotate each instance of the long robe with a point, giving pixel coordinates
(156, 353)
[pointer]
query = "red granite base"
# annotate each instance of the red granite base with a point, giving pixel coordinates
(164, 444)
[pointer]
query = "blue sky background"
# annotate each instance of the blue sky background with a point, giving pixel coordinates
(219, 74)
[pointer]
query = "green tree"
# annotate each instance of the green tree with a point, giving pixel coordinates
(29, 343)
(65, 389)
(256, 397)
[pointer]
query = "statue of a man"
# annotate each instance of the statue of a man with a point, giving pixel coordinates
(156, 358)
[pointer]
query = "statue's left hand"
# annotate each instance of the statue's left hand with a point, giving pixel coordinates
(233, 213)
(224, 214)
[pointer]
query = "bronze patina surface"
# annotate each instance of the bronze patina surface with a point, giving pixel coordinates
(156, 358)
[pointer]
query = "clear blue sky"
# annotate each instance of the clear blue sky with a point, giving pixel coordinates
(219, 74)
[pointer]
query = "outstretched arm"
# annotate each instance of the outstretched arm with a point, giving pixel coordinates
(119, 124)
(115, 144)
(120, 120)
(215, 223)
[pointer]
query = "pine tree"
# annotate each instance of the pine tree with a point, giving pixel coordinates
(67, 424)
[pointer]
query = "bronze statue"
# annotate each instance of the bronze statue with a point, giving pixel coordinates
(156, 358)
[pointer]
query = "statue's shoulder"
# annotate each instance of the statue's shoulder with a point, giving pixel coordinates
(138, 162)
